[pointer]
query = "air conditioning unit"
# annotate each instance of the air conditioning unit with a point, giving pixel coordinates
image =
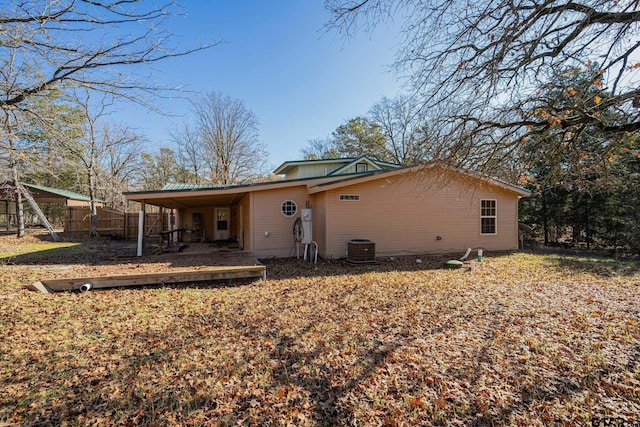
(361, 251)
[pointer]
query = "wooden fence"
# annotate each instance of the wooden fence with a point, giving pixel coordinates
(112, 222)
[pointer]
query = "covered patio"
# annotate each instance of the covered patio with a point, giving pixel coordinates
(257, 218)
(214, 217)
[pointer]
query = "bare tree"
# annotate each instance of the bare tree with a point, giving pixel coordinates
(490, 58)
(160, 168)
(119, 162)
(24, 142)
(192, 164)
(50, 46)
(97, 145)
(395, 129)
(53, 44)
(229, 137)
(406, 130)
(320, 148)
(13, 160)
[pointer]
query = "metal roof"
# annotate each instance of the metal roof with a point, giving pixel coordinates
(186, 187)
(187, 196)
(59, 192)
(288, 165)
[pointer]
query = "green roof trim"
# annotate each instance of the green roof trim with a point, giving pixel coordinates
(60, 192)
(355, 161)
(284, 167)
(186, 187)
(256, 185)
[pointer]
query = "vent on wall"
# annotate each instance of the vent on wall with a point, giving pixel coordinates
(349, 197)
(361, 250)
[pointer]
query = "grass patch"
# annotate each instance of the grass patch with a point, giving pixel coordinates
(40, 249)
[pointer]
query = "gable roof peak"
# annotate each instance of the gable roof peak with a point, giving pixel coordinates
(289, 164)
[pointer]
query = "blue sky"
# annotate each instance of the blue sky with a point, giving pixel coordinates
(300, 80)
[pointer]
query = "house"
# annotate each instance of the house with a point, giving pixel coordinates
(425, 209)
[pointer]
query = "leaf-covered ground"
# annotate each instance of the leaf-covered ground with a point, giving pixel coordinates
(522, 339)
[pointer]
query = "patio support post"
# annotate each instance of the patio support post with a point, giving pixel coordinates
(126, 225)
(160, 227)
(172, 226)
(141, 220)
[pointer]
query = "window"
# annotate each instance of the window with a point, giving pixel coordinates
(349, 197)
(362, 167)
(222, 223)
(488, 216)
(289, 208)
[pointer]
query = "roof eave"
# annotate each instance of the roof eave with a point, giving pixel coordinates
(64, 194)
(143, 195)
(352, 180)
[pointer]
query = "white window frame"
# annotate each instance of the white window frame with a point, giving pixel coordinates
(289, 203)
(365, 166)
(349, 197)
(494, 217)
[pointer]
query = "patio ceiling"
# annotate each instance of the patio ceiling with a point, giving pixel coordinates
(190, 201)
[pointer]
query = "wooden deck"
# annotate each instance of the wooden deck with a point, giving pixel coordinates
(239, 265)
